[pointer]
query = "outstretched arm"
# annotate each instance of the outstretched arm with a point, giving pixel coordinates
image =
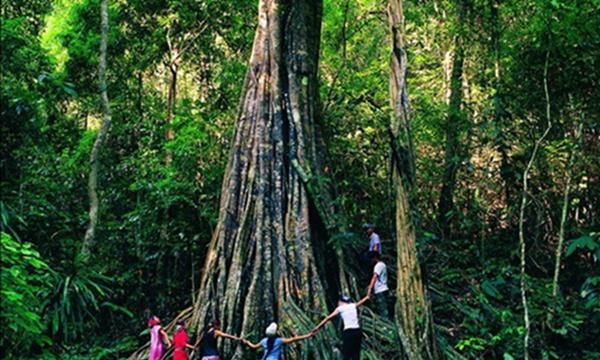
(226, 335)
(325, 321)
(165, 337)
(362, 301)
(250, 345)
(199, 339)
(296, 338)
(371, 284)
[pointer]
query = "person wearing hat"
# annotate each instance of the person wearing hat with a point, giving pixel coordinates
(273, 344)
(158, 338)
(378, 285)
(352, 335)
(374, 241)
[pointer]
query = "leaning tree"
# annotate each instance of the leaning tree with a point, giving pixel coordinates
(413, 314)
(262, 256)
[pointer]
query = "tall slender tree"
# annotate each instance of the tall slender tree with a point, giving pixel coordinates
(412, 313)
(90, 233)
(453, 127)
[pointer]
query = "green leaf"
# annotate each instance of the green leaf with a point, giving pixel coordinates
(490, 290)
(583, 242)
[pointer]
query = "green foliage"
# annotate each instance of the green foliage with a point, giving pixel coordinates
(24, 276)
(75, 299)
(157, 217)
(585, 242)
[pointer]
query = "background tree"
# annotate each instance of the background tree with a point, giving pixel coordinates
(412, 311)
(90, 233)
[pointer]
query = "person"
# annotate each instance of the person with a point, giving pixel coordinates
(378, 287)
(374, 241)
(208, 339)
(180, 342)
(352, 334)
(273, 344)
(157, 336)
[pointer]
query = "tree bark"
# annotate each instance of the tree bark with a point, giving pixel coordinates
(171, 98)
(454, 125)
(411, 307)
(90, 233)
(262, 253)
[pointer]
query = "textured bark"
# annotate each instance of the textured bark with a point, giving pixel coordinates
(412, 313)
(261, 255)
(453, 127)
(90, 233)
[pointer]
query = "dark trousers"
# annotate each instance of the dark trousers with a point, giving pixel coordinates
(381, 301)
(351, 347)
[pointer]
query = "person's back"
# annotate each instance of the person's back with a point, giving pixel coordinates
(272, 347)
(209, 343)
(349, 315)
(351, 336)
(156, 345)
(380, 270)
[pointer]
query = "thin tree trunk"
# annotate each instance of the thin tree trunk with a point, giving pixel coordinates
(454, 125)
(88, 240)
(261, 255)
(171, 99)
(522, 215)
(563, 223)
(411, 307)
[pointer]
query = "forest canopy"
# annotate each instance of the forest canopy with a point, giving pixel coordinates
(200, 159)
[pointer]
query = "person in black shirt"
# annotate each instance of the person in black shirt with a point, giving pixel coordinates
(209, 350)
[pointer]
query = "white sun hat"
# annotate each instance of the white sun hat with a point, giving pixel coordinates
(271, 329)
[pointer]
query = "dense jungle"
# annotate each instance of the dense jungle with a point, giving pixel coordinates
(175, 171)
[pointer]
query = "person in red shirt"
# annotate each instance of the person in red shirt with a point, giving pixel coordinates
(180, 342)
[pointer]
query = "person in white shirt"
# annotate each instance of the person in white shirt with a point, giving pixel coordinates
(352, 334)
(378, 285)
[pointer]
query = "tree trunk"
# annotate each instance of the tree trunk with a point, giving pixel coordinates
(261, 255)
(171, 98)
(412, 312)
(454, 125)
(90, 233)
(522, 244)
(563, 221)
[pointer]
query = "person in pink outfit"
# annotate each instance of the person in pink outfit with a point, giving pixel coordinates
(157, 336)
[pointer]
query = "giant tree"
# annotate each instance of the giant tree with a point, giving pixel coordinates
(261, 257)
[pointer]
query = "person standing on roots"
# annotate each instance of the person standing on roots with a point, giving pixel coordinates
(352, 334)
(378, 286)
(273, 344)
(157, 336)
(208, 339)
(374, 241)
(180, 342)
